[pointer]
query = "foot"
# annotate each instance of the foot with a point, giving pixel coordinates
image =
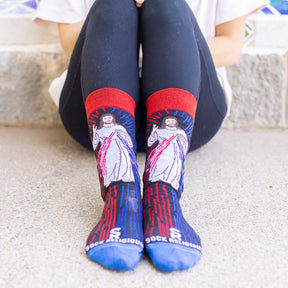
(170, 241)
(116, 242)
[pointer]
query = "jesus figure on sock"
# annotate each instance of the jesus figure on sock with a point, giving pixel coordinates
(116, 147)
(173, 144)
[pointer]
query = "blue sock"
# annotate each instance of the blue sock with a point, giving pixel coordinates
(169, 240)
(117, 240)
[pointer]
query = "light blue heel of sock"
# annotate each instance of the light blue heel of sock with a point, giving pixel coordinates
(116, 256)
(169, 257)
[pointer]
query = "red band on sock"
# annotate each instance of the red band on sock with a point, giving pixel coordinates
(109, 97)
(172, 98)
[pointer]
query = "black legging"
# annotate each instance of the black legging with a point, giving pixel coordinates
(175, 55)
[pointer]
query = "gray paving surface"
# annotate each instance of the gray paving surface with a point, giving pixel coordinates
(235, 197)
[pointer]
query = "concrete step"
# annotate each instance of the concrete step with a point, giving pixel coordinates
(260, 86)
(30, 61)
(20, 29)
(269, 30)
(25, 73)
(259, 82)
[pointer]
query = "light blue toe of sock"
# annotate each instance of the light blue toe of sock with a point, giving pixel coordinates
(116, 256)
(169, 257)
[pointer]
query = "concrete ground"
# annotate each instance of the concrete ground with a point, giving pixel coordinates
(235, 197)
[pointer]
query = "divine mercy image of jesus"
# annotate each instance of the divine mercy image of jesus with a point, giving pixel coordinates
(166, 161)
(115, 146)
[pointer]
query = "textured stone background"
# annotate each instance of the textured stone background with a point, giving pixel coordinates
(25, 75)
(259, 81)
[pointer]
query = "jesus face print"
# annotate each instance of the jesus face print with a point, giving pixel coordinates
(107, 119)
(170, 122)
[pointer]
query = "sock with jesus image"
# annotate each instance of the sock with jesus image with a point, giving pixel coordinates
(170, 241)
(116, 242)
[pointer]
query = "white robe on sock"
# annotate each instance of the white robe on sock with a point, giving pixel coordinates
(166, 160)
(113, 158)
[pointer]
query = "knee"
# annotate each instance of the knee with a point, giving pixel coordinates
(113, 12)
(164, 11)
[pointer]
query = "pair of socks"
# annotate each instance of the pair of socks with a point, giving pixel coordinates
(128, 224)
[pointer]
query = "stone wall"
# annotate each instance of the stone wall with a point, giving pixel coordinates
(259, 81)
(25, 73)
(260, 89)
(30, 58)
